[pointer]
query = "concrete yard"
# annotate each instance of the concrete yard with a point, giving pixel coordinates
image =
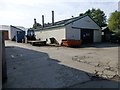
(94, 66)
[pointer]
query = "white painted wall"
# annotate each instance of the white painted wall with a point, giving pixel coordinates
(12, 32)
(72, 33)
(57, 33)
(68, 32)
(4, 27)
(85, 22)
(97, 35)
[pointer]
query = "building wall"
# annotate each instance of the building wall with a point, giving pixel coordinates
(97, 36)
(12, 32)
(72, 33)
(69, 32)
(57, 33)
(86, 23)
(4, 27)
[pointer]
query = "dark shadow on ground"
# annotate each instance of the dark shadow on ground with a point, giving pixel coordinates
(98, 45)
(32, 69)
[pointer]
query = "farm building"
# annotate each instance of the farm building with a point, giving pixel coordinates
(76, 28)
(10, 32)
(106, 33)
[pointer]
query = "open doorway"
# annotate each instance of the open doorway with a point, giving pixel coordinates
(87, 36)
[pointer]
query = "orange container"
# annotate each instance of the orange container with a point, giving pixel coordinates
(71, 43)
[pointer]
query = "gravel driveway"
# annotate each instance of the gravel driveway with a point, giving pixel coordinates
(59, 67)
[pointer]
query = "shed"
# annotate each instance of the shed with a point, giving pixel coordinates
(106, 33)
(76, 28)
(10, 31)
(14, 31)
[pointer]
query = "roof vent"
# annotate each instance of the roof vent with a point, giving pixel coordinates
(43, 20)
(52, 17)
(35, 21)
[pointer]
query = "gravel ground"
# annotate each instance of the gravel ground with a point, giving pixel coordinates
(94, 66)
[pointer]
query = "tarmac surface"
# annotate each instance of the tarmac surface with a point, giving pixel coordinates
(90, 66)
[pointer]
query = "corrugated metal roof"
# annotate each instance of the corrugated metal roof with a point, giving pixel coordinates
(21, 27)
(60, 23)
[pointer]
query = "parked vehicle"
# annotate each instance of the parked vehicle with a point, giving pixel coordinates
(30, 34)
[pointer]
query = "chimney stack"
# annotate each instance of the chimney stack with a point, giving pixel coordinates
(35, 21)
(52, 17)
(43, 20)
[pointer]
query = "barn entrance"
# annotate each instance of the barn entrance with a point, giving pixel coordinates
(87, 36)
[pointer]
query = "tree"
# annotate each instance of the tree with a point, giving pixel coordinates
(114, 22)
(98, 16)
(36, 25)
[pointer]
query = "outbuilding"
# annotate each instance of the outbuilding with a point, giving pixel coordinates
(106, 34)
(10, 31)
(76, 28)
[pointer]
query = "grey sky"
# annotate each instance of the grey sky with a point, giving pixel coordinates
(22, 12)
